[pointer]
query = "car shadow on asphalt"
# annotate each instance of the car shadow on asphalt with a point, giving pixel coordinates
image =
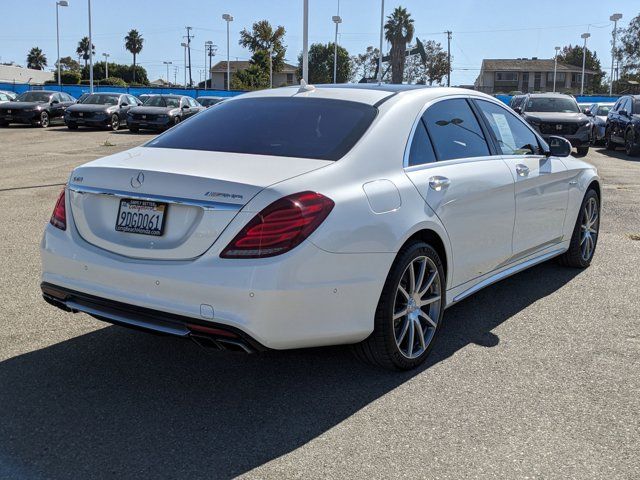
(118, 403)
(618, 153)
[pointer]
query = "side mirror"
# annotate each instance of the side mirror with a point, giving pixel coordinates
(588, 112)
(558, 147)
(624, 113)
(124, 104)
(518, 110)
(185, 107)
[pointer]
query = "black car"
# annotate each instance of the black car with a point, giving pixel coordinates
(517, 101)
(37, 107)
(557, 114)
(106, 110)
(161, 112)
(209, 101)
(623, 125)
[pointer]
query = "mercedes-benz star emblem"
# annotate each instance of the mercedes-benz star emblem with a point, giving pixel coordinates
(138, 180)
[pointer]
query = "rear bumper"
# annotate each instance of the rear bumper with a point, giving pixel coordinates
(305, 298)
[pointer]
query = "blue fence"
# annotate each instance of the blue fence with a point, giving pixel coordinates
(580, 98)
(77, 90)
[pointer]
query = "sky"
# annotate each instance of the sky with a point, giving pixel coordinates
(481, 29)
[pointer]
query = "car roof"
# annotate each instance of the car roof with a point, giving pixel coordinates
(372, 94)
(210, 96)
(551, 95)
(107, 93)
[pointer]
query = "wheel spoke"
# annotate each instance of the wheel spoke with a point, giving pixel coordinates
(403, 292)
(403, 332)
(430, 300)
(412, 279)
(400, 314)
(411, 337)
(584, 238)
(428, 283)
(420, 333)
(423, 269)
(427, 318)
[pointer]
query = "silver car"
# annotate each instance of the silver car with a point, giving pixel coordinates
(7, 96)
(598, 112)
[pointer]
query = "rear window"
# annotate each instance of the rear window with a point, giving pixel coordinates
(553, 104)
(323, 129)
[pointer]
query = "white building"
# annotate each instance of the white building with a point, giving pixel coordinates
(15, 74)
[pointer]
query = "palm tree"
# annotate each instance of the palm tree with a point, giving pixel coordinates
(83, 50)
(398, 31)
(133, 42)
(36, 59)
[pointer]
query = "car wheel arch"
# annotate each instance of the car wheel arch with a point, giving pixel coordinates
(438, 240)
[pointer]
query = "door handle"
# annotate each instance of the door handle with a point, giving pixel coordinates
(438, 183)
(522, 170)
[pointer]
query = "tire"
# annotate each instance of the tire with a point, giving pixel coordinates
(629, 144)
(608, 142)
(176, 121)
(115, 122)
(577, 256)
(390, 345)
(44, 120)
(72, 126)
(582, 151)
(3, 124)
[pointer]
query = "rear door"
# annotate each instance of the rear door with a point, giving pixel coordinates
(541, 182)
(471, 190)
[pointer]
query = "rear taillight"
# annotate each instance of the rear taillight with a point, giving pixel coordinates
(59, 215)
(280, 227)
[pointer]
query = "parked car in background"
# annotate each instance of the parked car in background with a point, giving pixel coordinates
(36, 107)
(160, 112)
(348, 214)
(623, 125)
(209, 101)
(584, 107)
(558, 114)
(598, 112)
(517, 101)
(82, 97)
(7, 96)
(106, 110)
(145, 96)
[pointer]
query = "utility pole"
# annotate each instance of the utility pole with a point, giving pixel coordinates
(90, 51)
(167, 64)
(448, 32)
(106, 64)
(175, 75)
(184, 45)
(305, 41)
(188, 36)
(209, 50)
(65, 3)
(584, 58)
(614, 18)
(381, 37)
(555, 68)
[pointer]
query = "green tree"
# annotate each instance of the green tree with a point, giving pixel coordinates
(259, 41)
(363, 65)
(321, 64)
(398, 31)
(133, 42)
(36, 59)
(428, 69)
(629, 51)
(68, 64)
(83, 50)
(572, 55)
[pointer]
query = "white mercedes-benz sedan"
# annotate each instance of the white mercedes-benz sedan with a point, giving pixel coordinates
(300, 217)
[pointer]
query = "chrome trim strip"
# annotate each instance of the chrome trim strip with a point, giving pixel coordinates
(506, 273)
(180, 332)
(205, 204)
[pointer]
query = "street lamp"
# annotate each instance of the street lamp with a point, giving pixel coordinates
(185, 63)
(61, 3)
(584, 59)
(614, 18)
(106, 64)
(337, 20)
(167, 64)
(381, 36)
(228, 18)
(555, 68)
(90, 51)
(305, 41)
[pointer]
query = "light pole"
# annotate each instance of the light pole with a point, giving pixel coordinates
(90, 51)
(167, 64)
(208, 52)
(614, 18)
(305, 41)
(63, 3)
(381, 36)
(337, 20)
(228, 18)
(270, 66)
(555, 68)
(185, 63)
(106, 64)
(584, 59)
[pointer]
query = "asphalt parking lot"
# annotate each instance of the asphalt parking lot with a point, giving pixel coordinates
(535, 377)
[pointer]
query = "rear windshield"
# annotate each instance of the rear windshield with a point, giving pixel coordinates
(101, 99)
(542, 104)
(323, 129)
(158, 101)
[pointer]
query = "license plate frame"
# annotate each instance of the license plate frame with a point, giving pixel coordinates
(135, 206)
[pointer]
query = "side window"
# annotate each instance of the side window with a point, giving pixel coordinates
(513, 136)
(57, 96)
(624, 104)
(454, 130)
(192, 102)
(184, 102)
(421, 149)
(132, 101)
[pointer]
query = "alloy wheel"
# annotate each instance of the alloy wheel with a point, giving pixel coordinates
(589, 229)
(115, 123)
(628, 143)
(44, 119)
(417, 307)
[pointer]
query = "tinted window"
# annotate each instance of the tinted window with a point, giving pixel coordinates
(101, 99)
(192, 102)
(624, 104)
(602, 110)
(4, 98)
(636, 106)
(421, 149)
(160, 101)
(454, 130)
(552, 104)
(513, 136)
(283, 126)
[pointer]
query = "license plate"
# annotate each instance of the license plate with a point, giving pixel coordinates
(8, 111)
(81, 114)
(144, 116)
(141, 216)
